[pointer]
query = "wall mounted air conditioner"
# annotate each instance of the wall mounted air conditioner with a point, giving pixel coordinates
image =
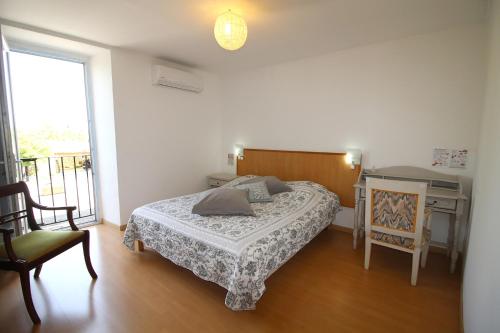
(176, 78)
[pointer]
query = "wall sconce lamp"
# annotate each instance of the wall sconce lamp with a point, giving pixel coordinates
(353, 157)
(238, 151)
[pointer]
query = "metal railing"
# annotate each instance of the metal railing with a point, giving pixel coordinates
(61, 181)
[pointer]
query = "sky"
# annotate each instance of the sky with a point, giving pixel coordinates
(47, 91)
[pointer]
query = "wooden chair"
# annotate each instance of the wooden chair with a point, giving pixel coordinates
(396, 217)
(31, 250)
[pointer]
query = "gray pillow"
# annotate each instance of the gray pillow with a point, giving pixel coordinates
(274, 185)
(257, 192)
(224, 201)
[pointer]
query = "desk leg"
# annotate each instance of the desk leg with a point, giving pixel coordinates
(356, 224)
(451, 228)
(454, 251)
(361, 219)
(355, 228)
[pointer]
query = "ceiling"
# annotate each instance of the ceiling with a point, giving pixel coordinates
(279, 30)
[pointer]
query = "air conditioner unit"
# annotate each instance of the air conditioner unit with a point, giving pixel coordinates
(175, 78)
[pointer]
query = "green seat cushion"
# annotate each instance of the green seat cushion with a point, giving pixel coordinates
(39, 242)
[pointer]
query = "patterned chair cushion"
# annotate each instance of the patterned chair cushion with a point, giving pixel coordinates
(405, 242)
(257, 192)
(394, 210)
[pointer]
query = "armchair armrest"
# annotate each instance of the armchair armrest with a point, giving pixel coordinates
(69, 213)
(6, 232)
(42, 207)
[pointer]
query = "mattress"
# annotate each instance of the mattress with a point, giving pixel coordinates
(237, 252)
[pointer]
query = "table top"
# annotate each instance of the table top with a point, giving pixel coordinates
(411, 172)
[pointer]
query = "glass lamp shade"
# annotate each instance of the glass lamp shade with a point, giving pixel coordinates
(230, 31)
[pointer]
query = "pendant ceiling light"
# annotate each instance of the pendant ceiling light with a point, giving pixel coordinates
(230, 31)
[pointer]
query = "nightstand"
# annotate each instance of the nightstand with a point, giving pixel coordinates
(219, 179)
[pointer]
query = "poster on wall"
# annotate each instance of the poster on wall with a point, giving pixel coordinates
(458, 158)
(449, 158)
(441, 157)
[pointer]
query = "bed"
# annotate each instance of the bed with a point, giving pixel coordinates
(237, 252)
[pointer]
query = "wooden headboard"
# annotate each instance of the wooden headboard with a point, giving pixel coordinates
(327, 169)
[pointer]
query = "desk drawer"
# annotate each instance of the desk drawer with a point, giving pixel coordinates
(441, 203)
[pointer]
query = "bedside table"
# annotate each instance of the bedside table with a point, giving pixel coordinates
(219, 179)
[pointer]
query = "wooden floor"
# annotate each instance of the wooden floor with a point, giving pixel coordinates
(324, 288)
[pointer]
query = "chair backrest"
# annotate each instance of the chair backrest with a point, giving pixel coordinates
(395, 208)
(14, 190)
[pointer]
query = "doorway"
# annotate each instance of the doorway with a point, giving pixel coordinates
(51, 134)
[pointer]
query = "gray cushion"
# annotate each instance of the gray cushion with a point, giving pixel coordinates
(224, 201)
(257, 192)
(274, 185)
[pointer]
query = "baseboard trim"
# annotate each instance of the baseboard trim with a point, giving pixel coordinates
(434, 247)
(437, 247)
(121, 227)
(341, 228)
(462, 329)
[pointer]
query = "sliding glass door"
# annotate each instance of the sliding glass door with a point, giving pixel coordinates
(45, 139)
(8, 148)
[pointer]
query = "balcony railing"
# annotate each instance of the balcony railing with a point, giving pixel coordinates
(61, 181)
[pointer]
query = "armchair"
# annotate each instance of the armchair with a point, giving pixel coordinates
(33, 249)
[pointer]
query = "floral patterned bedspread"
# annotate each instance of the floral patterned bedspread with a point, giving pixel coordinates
(237, 252)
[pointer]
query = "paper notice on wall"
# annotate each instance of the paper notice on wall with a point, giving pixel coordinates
(449, 158)
(441, 157)
(458, 158)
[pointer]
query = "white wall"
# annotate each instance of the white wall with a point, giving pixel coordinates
(395, 100)
(101, 88)
(481, 291)
(167, 140)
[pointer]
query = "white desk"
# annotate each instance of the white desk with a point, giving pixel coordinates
(444, 194)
